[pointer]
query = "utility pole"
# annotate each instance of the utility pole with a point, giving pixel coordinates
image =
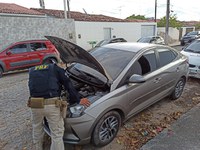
(155, 11)
(65, 12)
(167, 23)
(42, 5)
(69, 15)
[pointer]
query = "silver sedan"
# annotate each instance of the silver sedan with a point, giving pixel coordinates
(120, 80)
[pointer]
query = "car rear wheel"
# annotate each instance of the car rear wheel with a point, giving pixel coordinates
(106, 129)
(1, 72)
(178, 90)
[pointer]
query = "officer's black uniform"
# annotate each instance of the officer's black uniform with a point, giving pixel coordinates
(46, 80)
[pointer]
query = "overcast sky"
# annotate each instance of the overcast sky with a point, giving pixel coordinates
(185, 10)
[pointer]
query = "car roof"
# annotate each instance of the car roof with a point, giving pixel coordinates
(35, 40)
(129, 46)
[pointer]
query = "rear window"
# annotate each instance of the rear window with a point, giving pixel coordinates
(166, 56)
(192, 33)
(38, 46)
(144, 40)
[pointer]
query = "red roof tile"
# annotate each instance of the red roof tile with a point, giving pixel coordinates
(16, 9)
(77, 16)
(11, 8)
(190, 23)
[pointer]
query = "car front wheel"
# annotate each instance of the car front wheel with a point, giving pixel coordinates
(106, 129)
(178, 90)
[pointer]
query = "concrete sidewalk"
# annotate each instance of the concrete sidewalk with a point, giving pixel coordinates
(184, 134)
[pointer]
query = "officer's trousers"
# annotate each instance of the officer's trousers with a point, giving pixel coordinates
(56, 125)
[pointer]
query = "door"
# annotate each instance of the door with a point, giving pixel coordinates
(107, 33)
(17, 57)
(147, 30)
(38, 51)
(141, 95)
(169, 69)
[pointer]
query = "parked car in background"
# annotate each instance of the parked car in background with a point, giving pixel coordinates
(25, 54)
(189, 37)
(192, 51)
(108, 41)
(152, 39)
(120, 80)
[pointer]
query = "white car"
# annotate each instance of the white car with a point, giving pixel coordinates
(192, 51)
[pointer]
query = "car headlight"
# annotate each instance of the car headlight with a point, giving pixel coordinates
(76, 111)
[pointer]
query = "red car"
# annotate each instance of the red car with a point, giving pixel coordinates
(25, 54)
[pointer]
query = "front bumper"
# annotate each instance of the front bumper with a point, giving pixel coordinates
(77, 130)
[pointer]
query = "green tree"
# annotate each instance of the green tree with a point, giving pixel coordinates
(173, 22)
(197, 26)
(140, 17)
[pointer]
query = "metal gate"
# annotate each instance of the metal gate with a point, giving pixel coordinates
(107, 33)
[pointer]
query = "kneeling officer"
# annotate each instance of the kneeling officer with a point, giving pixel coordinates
(45, 83)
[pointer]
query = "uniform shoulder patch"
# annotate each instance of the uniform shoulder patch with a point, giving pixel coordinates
(41, 67)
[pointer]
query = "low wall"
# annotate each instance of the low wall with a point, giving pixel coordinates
(13, 29)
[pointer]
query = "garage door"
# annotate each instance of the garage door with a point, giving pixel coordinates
(147, 30)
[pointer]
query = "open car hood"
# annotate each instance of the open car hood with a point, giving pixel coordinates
(70, 52)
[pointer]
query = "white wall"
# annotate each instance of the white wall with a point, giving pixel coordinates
(94, 31)
(173, 32)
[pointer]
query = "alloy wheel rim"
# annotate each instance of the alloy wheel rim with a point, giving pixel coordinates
(108, 128)
(179, 88)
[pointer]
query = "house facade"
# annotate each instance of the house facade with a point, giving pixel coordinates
(19, 23)
(92, 28)
(88, 33)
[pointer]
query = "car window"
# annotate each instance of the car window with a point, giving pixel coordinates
(144, 40)
(166, 56)
(101, 43)
(37, 46)
(117, 40)
(20, 48)
(145, 64)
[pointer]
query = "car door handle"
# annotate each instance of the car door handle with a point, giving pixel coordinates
(156, 80)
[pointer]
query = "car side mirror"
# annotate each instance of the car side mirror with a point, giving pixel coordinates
(8, 53)
(136, 78)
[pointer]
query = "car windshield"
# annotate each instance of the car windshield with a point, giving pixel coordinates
(193, 47)
(144, 40)
(113, 60)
